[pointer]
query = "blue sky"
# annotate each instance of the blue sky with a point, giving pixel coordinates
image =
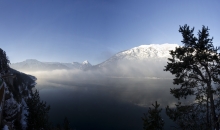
(94, 30)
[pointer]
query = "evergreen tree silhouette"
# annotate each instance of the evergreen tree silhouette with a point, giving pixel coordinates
(196, 67)
(152, 120)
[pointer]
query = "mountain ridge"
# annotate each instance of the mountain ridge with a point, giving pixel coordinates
(35, 65)
(142, 53)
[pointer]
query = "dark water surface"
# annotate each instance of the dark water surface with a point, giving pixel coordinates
(105, 104)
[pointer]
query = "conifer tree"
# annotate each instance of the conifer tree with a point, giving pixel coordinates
(37, 117)
(66, 124)
(152, 120)
(4, 62)
(58, 127)
(196, 67)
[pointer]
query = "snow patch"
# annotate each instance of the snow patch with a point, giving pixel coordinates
(5, 127)
(24, 112)
(85, 62)
(144, 52)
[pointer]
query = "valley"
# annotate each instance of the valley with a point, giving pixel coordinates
(109, 95)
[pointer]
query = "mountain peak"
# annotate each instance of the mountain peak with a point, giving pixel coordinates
(148, 51)
(85, 62)
(143, 52)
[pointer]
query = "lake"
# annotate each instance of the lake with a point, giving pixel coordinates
(103, 103)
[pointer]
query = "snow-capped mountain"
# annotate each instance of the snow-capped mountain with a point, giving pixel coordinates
(85, 62)
(86, 65)
(147, 51)
(35, 65)
(143, 53)
(142, 60)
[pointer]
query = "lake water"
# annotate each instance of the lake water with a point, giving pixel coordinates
(103, 103)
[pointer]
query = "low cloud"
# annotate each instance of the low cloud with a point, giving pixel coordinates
(126, 84)
(104, 94)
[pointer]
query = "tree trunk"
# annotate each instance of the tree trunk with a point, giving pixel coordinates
(214, 118)
(207, 112)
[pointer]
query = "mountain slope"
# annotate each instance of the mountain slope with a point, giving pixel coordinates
(35, 65)
(16, 88)
(141, 61)
(143, 52)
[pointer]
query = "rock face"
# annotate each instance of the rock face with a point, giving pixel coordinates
(16, 87)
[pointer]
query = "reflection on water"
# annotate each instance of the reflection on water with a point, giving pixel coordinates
(104, 104)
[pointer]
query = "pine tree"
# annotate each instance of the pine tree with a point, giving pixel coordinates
(152, 120)
(196, 66)
(4, 62)
(37, 117)
(66, 124)
(58, 127)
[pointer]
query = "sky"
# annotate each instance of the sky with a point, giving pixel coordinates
(94, 30)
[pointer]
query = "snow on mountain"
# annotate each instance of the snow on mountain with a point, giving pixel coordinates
(144, 58)
(86, 65)
(141, 61)
(143, 52)
(15, 91)
(85, 62)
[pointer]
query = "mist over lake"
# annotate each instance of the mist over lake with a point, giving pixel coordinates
(112, 95)
(92, 101)
(101, 63)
